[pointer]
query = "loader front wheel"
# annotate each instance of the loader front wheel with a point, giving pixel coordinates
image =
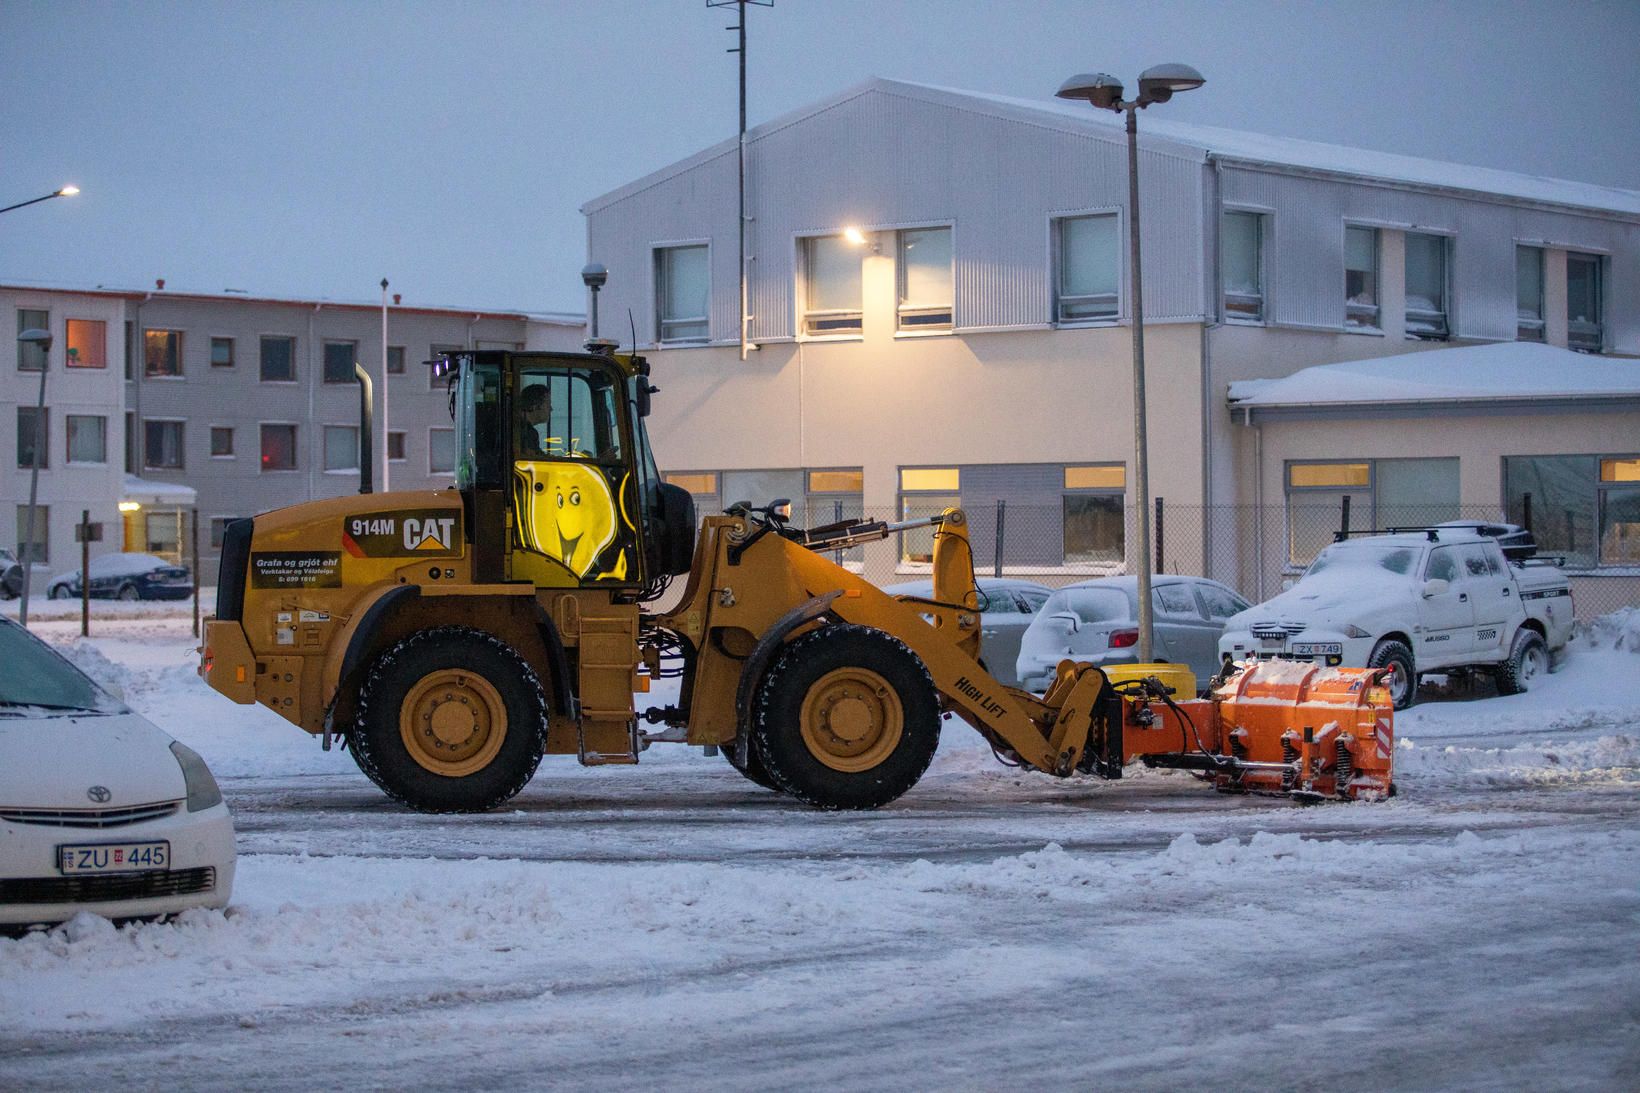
(846, 717)
(1402, 681)
(450, 720)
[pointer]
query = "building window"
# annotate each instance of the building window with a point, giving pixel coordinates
(1382, 493)
(927, 282)
(681, 294)
(341, 447)
(33, 436)
(39, 549)
(162, 352)
(1241, 266)
(925, 491)
(1095, 521)
(278, 447)
(87, 343)
(339, 358)
(278, 359)
(835, 496)
(130, 347)
(1426, 315)
(395, 360)
(395, 446)
(441, 451)
(221, 352)
(1361, 278)
(1088, 268)
(162, 445)
(832, 293)
(1583, 508)
(1529, 294)
(219, 528)
(1584, 291)
(702, 486)
(30, 356)
(434, 381)
(87, 438)
(221, 442)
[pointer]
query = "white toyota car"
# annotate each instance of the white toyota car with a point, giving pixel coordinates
(99, 810)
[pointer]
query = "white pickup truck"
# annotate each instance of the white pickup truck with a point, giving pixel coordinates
(1433, 600)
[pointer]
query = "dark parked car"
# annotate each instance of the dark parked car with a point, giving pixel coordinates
(11, 575)
(1008, 609)
(127, 577)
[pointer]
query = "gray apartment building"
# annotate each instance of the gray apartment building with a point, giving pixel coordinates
(249, 403)
(939, 306)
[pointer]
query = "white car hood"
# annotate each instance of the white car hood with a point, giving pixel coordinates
(1348, 596)
(53, 761)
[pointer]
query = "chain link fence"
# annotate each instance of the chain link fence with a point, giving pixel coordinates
(1253, 549)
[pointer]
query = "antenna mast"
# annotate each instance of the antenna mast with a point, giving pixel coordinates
(740, 150)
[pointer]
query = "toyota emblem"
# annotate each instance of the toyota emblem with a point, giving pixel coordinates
(99, 794)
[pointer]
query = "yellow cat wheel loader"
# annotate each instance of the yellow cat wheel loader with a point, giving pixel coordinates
(451, 638)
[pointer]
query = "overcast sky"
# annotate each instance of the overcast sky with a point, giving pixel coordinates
(313, 148)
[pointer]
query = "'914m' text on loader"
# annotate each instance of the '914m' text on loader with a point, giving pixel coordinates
(453, 637)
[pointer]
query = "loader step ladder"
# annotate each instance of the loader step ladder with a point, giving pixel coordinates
(607, 731)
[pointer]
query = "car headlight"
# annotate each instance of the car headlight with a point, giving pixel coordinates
(1354, 631)
(202, 789)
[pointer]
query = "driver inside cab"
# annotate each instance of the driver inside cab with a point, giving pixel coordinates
(534, 407)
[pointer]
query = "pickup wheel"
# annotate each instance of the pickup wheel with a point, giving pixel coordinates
(1402, 681)
(847, 717)
(1528, 659)
(450, 720)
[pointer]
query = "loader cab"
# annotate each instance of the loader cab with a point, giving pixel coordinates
(553, 462)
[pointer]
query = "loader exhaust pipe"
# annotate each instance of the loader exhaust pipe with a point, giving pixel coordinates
(367, 449)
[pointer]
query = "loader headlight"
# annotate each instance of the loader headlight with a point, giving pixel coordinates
(203, 792)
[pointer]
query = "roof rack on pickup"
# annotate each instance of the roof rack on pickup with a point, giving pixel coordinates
(1516, 542)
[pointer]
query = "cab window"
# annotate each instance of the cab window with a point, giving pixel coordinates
(1443, 565)
(567, 414)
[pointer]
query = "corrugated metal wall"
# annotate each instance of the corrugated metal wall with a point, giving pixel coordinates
(885, 160)
(1304, 260)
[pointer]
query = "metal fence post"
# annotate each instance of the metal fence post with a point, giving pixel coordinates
(193, 549)
(1344, 517)
(85, 573)
(1160, 528)
(1002, 519)
(1526, 514)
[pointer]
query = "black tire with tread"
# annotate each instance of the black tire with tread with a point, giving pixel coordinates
(777, 715)
(1515, 675)
(754, 769)
(380, 752)
(1396, 652)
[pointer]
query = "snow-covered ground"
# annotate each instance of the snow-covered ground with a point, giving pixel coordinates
(624, 928)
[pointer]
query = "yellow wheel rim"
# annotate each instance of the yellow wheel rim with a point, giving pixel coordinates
(852, 719)
(453, 722)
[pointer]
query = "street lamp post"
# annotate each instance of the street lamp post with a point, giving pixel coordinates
(41, 338)
(1104, 92)
(66, 191)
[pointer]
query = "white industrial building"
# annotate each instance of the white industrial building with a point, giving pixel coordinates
(938, 305)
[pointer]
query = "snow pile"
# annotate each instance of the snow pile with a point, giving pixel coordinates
(88, 657)
(1619, 630)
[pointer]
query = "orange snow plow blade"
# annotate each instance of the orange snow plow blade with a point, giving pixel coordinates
(1288, 728)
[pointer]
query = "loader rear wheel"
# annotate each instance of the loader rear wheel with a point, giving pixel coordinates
(450, 720)
(847, 717)
(1528, 659)
(1402, 681)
